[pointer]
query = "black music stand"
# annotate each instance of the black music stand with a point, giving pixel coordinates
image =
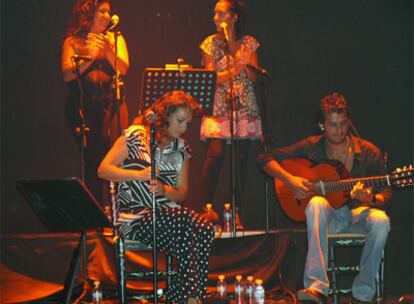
(199, 83)
(65, 205)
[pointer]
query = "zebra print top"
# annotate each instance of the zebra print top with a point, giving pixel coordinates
(133, 196)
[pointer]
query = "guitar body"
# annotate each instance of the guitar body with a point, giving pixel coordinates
(329, 171)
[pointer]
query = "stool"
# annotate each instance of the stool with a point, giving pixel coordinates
(350, 240)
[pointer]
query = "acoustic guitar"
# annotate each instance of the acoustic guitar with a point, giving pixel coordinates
(332, 181)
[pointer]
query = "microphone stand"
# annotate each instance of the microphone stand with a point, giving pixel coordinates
(233, 148)
(117, 82)
(82, 131)
(154, 226)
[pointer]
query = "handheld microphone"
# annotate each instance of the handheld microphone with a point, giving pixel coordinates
(114, 23)
(150, 116)
(223, 25)
(78, 57)
(258, 69)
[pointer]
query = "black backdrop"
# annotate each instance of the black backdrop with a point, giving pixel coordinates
(360, 48)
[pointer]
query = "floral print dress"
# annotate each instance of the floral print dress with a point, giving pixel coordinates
(247, 123)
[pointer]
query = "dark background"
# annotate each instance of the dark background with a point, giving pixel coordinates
(362, 49)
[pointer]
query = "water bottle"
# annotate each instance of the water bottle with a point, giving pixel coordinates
(259, 292)
(97, 296)
(227, 218)
(238, 290)
(212, 216)
(249, 290)
(221, 287)
(239, 225)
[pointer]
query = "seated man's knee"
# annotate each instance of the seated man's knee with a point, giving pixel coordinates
(378, 221)
(317, 202)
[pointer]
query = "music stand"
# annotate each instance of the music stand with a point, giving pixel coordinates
(199, 83)
(65, 205)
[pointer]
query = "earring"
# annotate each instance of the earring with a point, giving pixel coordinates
(321, 127)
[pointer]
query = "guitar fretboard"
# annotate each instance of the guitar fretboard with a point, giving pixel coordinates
(346, 185)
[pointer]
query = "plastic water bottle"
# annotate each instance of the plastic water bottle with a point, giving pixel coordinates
(227, 218)
(212, 216)
(221, 287)
(238, 290)
(97, 296)
(259, 292)
(249, 290)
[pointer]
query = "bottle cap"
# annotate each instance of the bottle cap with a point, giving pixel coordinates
(238, 278)
(250, 278)
(259, 282)
(227, 205)
(221, 277)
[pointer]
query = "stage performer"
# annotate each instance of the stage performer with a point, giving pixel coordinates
(181, 231)
(89, 42)
(229, 53)
(362, 213)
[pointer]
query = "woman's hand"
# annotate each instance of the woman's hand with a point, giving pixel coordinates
(243, 57)
(97, 43)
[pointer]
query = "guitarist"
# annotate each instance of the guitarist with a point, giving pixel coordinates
(361, 214)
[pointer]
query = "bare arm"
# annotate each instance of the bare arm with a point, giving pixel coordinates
(301, 187)
(179, 192)
(110, 169)
(254, 60)
(123, 57)
(67, 62)
(97, 45)
(208, 62)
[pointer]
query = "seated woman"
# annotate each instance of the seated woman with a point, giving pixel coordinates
(180, 231)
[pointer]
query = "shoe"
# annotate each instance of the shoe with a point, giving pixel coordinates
(193, 301)
(312, 295)
(356, 301)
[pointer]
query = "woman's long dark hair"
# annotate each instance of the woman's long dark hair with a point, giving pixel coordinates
(82, 16)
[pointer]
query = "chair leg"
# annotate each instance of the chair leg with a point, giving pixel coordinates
(333, 274)
(120, 269)
(169, 269)
(379, 281)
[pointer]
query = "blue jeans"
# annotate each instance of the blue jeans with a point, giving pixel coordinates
(322, 219)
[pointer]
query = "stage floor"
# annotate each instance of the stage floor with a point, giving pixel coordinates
(34, 265)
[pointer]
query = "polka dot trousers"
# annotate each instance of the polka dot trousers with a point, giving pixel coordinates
(183, 234)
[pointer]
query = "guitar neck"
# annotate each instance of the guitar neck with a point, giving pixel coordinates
(346, 185)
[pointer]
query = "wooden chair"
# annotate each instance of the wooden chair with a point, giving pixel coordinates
(121, 246)
(334, 270)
